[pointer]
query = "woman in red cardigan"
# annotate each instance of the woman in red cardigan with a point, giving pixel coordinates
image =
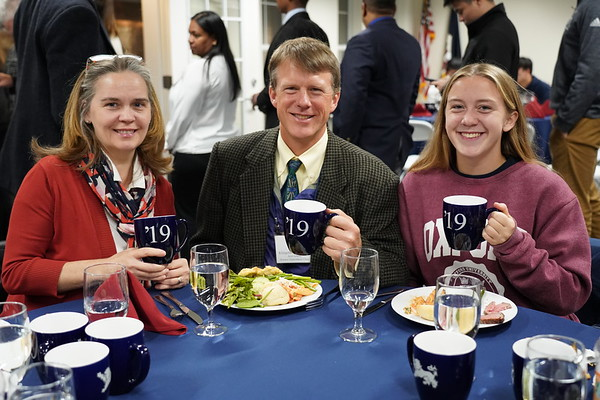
(75, 207)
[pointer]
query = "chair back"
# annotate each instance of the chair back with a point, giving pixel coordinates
(422, 130)
(422, 133)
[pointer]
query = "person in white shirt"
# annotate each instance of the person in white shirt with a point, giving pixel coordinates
(203, 107)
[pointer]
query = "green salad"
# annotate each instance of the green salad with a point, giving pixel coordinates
(250, 292)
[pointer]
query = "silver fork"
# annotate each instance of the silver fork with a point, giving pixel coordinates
(318, 302)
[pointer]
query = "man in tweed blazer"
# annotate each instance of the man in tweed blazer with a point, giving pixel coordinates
(234, 201)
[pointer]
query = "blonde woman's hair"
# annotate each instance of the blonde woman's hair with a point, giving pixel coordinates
(79, 138)
(440, 153)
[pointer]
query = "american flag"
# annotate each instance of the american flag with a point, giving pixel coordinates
(426, 36)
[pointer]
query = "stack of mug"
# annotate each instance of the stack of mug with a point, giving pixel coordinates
(105, 356)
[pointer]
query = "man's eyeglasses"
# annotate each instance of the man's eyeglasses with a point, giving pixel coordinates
(107, 57)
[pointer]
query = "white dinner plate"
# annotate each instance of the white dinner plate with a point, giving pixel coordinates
(300, 303)
(403, 300)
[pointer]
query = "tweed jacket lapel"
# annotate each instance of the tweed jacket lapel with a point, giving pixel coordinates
(333, 175)
(256, 185)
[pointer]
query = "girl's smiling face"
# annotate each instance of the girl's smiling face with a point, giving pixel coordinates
(476, 119)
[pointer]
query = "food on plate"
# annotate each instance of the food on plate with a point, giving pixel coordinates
(422, 306)
(425, 311)
(274, 294)
(492, 313)
(492, 318)
(268, 286)
(257, 271)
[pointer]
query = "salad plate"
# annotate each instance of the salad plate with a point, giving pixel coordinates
(403, 300)
(300, 303)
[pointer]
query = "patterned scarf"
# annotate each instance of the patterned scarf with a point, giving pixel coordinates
(121, 205)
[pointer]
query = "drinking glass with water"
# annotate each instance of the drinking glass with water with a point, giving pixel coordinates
(555, 369)
(209, 278)
(105, 291)
(457, 304)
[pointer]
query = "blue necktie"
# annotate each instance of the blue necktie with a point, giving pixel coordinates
(289, 191)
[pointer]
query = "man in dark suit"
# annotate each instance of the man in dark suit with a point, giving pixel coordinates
(53, 39)
(241, 203)
(295, 24)
(380, 82)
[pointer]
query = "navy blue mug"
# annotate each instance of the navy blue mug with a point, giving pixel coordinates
(161, 232)
(464, 219)
(305, 223)
(519, 352)
(90, 364)
(55, 329)
(129, 356)
(443, 364)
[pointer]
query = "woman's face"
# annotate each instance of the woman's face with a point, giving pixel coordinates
(476, 119)
(200, 41)
(120, 113)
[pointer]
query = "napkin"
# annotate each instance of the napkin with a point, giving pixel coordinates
(143, 307)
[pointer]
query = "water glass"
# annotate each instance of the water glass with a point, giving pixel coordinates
(105, 291)
(16, 345)
(209, 278)
(13, 313)
(555, 369)
(457, 304)
(359, 283)
(42, 380)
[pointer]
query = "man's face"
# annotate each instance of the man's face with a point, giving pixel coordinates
(304, 101)
(468, 11)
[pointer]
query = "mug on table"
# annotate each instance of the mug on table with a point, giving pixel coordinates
(129, 356)
(464, 218)
(161, 232)
(90, 364)
(54, 329)
(443, 364)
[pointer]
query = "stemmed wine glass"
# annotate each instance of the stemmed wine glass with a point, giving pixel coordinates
(209, 278)
(359, 283)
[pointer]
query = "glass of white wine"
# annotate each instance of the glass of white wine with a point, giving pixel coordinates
(209, 278)
(457, 304)
(554, 369)
(359, 283)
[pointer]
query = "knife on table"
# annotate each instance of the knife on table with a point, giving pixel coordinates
(195, 317)
(382, 303)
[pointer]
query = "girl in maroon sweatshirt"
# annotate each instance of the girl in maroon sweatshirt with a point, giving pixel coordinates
(536, 248)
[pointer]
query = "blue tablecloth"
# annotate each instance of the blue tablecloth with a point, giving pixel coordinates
(298, 355)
